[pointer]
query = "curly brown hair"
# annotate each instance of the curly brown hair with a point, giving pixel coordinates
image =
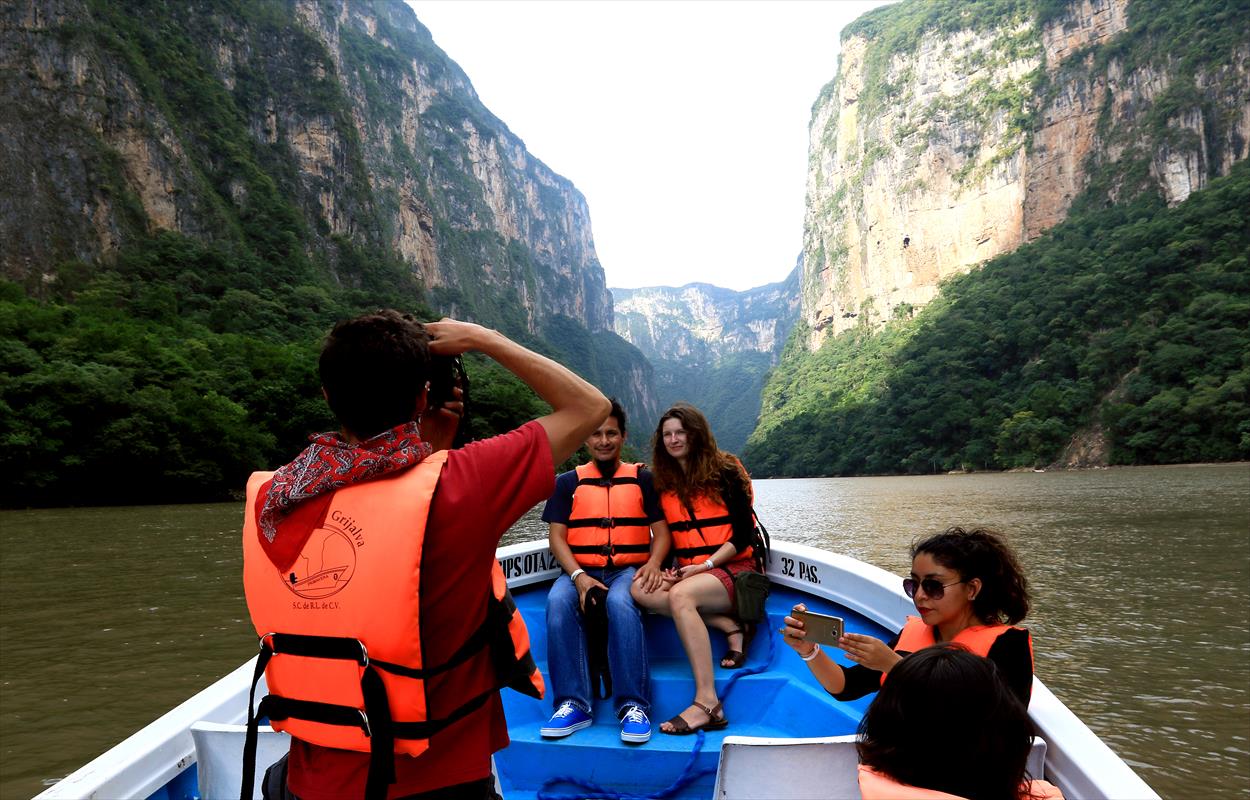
(705, 464)
(983, 553)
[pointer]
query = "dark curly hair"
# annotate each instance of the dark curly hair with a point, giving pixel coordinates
(983, 553)
(373, 368)
(946, 720)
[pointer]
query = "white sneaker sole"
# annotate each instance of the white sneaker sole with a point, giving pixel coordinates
(560, 733)
(635, 738)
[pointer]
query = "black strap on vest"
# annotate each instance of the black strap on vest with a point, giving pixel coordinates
(374, 721)
(608, 522)
(609, 549)
(607, 482)
(687, 524)
(479, 639)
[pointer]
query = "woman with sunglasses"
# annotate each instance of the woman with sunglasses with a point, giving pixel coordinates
(983, 747)
(968, 588)
(706, 497)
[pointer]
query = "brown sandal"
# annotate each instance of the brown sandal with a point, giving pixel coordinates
(737, 658)
(714, 722)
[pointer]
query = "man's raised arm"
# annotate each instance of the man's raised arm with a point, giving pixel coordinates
(577, 408)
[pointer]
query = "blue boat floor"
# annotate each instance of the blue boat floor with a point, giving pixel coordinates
(783, 700)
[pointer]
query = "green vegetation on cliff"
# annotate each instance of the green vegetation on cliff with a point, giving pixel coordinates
(170, 367)
(1132, 320)
(173, 373)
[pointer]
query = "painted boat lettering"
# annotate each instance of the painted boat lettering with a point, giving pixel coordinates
(798, 568)
(528, 564)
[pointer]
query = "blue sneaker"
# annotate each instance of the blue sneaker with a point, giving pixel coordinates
(567, 719)
(635, 726)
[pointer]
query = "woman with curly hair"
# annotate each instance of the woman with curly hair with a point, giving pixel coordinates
(983, 734)
(968, 588)
(706, 497)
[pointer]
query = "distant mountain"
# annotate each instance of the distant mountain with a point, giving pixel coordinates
(710, 346)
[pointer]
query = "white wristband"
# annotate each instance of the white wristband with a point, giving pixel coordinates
(813, 654)
(575, 573)
(709, 564)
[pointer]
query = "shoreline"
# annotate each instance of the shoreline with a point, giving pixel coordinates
(1013, 470)
(1187, 465)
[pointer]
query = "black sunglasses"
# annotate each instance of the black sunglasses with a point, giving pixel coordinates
(932, 589)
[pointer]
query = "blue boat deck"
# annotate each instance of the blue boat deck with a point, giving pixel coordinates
(784, 700)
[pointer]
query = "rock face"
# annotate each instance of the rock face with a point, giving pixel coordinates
(710, 346)
(352, 112)
(928, 159)
(700, 324)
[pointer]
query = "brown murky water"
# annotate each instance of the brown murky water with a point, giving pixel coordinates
(1141, 579)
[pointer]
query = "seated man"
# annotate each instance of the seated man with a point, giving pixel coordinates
(607, 530)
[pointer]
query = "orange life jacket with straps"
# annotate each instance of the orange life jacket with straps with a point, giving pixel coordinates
(916, 635)
(697, 537)
(340, 630)
(608, 521)
(875, 786)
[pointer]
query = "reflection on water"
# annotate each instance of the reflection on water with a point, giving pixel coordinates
(1141, 580)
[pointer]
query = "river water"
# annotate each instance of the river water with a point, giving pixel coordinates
(1140, 578)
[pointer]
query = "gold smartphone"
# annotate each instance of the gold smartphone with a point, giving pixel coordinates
(822, 628)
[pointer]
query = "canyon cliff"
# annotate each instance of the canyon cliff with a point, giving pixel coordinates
(300, 130)
(945, 141)
(710, 346)
(1025, 243)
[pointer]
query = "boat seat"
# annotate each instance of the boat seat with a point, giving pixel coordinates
(219, 757)
(751, 766)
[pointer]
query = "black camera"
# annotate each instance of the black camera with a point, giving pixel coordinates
(447, 373)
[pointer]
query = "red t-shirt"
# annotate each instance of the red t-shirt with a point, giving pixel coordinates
(484, 488)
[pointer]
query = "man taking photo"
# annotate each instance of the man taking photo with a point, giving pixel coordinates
(370, 572)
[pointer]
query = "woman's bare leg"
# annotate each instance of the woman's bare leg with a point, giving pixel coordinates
(687, 600)
(731, 627)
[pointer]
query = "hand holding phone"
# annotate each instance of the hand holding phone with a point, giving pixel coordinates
(823, 628)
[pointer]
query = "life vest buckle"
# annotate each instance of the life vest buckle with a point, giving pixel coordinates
(364, 723)
(607, 522)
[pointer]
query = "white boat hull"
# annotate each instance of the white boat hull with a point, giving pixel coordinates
(1077, 761)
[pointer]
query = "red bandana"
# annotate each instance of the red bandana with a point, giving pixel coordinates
(329, 463)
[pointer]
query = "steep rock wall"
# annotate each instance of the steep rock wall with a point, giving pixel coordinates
(711, 346)
(351, 108)
(928, 160)
(699, 324)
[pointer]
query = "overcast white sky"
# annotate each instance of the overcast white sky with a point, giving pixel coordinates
(683, 122)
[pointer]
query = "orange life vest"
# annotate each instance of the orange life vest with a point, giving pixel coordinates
(341, 629)
(916, 635)
(696, 538)
(875, 786)
(605, 523)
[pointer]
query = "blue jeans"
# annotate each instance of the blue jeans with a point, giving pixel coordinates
(627, 649)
